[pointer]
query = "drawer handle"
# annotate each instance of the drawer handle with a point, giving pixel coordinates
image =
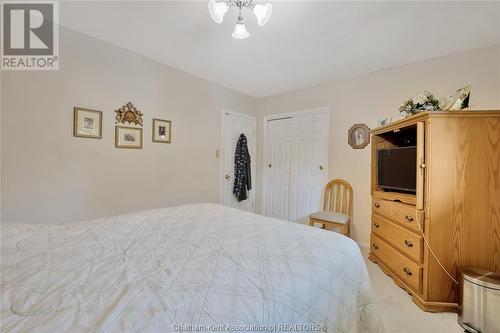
(407, 271)
(377, 205)
(409, 219)
(376, 225)
(408, 243)
(375, 246)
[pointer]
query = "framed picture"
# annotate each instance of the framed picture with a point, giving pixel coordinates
(386, 121)
(162, 130)
(128, 137)
(87, 123)
(358, 136)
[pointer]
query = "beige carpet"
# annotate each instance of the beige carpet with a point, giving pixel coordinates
(399, 314)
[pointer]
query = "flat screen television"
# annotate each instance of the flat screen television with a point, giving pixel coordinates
(397, 169)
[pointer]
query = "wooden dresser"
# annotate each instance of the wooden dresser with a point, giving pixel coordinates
(457, 204)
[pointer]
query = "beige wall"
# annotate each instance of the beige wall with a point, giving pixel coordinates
(367, 98)
(0, 146)
(49, 176)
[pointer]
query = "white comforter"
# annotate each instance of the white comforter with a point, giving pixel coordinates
(176, 268)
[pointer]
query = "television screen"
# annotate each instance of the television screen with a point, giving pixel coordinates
(397, 169)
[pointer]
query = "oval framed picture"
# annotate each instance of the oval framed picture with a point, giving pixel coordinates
(358, 136)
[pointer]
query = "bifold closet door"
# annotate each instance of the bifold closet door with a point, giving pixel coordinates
(308, 167)
(279, 144)
(296, 170)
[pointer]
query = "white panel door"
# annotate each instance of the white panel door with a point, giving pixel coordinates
(308, 167)
(296, 165)
(234, 125)
(279, 145)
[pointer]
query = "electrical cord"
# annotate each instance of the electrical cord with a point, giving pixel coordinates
(431, 251)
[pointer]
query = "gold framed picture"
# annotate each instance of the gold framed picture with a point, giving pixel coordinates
(87, 123)
(128, 137)
(162, 131)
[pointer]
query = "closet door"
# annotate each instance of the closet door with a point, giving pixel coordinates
(279, 143)
(309, 165)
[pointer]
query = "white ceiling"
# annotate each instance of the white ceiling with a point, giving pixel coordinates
(306, 43)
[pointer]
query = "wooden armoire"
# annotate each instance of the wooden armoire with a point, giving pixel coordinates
(456, 204)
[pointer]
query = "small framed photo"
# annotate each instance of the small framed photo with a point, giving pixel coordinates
(358, 136)
(386, 121)
(87, 123)
(128, 137)
(162, 131)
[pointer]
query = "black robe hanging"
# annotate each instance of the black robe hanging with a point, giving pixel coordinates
(242, 173)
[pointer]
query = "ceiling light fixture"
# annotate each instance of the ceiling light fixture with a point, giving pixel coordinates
(218, 9)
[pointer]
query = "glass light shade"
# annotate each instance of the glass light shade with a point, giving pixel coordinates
(240, 31)
(217, 10)
(263, 13)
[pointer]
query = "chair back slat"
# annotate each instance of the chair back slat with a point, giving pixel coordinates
(338, 197)
(343, 209)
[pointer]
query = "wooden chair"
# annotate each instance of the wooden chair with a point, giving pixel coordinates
(337, 207)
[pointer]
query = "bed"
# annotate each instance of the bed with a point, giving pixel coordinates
(185, 268)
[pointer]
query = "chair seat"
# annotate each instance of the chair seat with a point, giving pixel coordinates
(330, 217)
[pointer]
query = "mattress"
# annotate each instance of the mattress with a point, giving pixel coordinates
(188, 268)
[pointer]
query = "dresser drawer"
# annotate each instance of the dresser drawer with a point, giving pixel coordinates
(408, 271)
(399, 212)
(404, 240)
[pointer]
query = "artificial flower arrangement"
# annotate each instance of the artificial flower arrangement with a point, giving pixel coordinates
(425, 101)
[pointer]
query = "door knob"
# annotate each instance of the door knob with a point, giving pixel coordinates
(269, 165)
(321, 167)
(227, 176)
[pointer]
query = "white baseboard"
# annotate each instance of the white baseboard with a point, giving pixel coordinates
(362, 244)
